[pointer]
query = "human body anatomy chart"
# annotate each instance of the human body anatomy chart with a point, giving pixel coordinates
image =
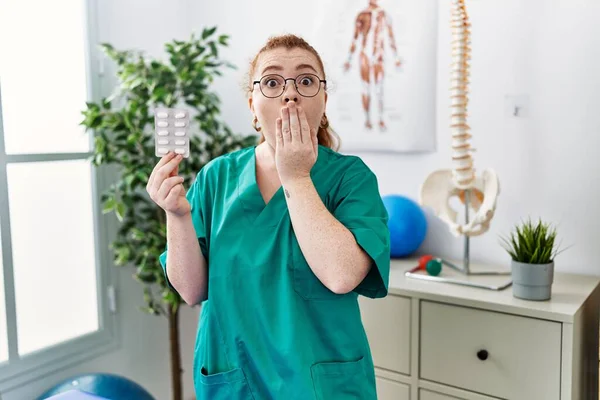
(380, 59)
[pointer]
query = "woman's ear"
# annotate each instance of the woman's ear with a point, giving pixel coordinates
(250, 105)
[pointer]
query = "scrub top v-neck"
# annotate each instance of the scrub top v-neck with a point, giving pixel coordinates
(269, 328)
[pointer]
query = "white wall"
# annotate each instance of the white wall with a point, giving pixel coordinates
(547, 162)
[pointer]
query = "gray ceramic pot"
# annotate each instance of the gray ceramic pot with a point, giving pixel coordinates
(532, 281)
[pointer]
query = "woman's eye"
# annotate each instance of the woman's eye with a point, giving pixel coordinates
(306, 81)
(272, 83)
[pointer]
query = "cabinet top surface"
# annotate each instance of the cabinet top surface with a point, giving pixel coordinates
(569, 291)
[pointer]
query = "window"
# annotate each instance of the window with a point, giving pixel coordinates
(3, 335)
(51, 282)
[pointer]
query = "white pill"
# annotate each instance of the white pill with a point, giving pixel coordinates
(162, 124)
(180, 133)
(179, 124)
(163, 150)
(180, 115)
(179, 151)
(163, 141)
(162, 133)
(180, 142)
(162, 115)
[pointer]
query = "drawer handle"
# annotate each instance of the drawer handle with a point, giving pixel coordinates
(482, 355)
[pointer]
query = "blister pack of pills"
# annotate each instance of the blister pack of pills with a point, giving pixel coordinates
(171, 131)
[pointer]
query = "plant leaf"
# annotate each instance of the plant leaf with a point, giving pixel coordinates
(120, 211)
(533, 243)
(123, 129)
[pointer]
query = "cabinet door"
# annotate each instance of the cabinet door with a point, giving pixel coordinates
(387, 324)
(496, 354)
(427, 395)
(391, 390)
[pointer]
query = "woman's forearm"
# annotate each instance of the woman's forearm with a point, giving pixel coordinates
(328, 246)
(186, 266)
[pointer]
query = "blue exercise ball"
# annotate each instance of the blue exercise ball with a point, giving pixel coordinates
(407, 224)
(109, 386)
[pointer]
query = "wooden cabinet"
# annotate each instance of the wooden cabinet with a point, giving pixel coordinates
(439, 341)
(388, 321)
(427, 395)
(497, 354)
(391, 390)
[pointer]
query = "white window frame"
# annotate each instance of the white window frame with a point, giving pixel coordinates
(19, 371)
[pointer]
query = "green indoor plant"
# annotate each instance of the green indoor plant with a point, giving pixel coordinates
(532, 247)
(122, 126)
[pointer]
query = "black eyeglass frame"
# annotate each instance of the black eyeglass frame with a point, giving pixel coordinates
(324, 81)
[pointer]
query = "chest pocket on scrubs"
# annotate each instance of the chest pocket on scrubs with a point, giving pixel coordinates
(305, 282)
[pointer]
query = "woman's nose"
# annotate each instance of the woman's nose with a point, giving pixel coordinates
(290, 93)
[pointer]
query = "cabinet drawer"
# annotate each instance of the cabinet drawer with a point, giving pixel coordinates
(390, 390)
(492, 353)
(387, 324)
(427, 395)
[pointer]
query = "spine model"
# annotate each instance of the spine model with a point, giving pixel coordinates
(477, 193)
(463, 171)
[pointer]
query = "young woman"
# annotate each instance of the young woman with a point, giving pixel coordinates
(277, 241)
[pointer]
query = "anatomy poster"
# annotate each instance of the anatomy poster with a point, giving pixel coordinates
(380, 60)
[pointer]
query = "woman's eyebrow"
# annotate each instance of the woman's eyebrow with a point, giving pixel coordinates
(272, 67)
(304, 66)
(280, 68)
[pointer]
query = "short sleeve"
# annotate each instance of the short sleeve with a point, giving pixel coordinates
(197, 199)
(360, 209)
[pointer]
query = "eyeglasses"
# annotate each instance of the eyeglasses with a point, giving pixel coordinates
(307, 85)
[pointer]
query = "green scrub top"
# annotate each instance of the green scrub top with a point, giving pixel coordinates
(269, 328)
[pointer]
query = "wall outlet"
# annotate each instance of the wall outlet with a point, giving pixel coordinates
(516, 105)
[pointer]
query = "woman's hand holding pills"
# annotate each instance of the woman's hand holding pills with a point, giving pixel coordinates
(165, 187)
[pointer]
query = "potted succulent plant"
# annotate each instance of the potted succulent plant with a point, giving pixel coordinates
(532, 248)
